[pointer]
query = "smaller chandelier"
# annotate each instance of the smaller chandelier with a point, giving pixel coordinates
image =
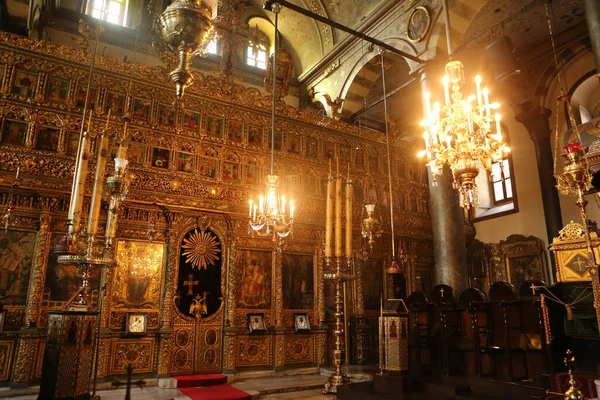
(461, 134)
(371, 225)
(268, 216)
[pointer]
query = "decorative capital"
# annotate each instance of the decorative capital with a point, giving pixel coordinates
(536, 121)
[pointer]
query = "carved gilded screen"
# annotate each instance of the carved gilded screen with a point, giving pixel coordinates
(138, 275)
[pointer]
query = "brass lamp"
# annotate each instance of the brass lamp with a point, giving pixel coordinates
(185, 28)
(371, 225)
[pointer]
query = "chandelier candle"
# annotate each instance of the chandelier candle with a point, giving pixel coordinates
(460, 134)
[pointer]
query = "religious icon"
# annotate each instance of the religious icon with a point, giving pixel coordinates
(166, 115)
(72, 143)
(298, 281)
(278, 140)
(373, 163)
(185, 162)
(345, 153)
(136, 324)
(47, 138)
(210, 356)
(301, 322)
(57, 90)
(359, 159)
(24, 83)
(210, 337)
(393, 331)
(214, 126)
(14, 133)
(88, 333)
(70, 333)
(141, 109)
(373, 284)
(255, 135)
(525, 267)
(198, 306)
(235, 131)
(417, 25)
(293, 182)
(116, 103)
(256, 323)
(182, 338)
(293, 144)
(160, 157)
(16, 252)
(251, 174)
(329, 150)
(230, 171)
(312, 146)
(208, 167)
(135, 153)
(255, 291)
(191, 120)
(81, 96)
(138, 265)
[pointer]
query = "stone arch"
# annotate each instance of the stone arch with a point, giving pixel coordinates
(461, 15)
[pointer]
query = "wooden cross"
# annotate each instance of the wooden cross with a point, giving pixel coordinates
(532, 287)
(442, 292)
(190, 283)
(579, 263)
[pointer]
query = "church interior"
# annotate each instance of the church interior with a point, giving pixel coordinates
(294, 199)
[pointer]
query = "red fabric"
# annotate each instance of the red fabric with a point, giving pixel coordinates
(584, 381)
(219, 392)
(186, 381)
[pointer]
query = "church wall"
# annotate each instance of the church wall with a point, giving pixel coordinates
(191, 167)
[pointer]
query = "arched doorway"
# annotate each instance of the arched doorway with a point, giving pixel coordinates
(200, 261)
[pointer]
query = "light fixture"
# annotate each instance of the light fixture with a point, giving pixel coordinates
(185, 28)
(462, 133)
(399, 264)
(272, 215)
(371, 224)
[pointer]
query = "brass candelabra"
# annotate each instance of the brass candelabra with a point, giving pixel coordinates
(576, 179)
(334, 218)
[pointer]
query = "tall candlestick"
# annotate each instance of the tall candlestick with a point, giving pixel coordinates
(338, 217)
(348, 216)
(98, 182)
(329, 216)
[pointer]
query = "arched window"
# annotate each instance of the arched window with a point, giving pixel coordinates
(256, 55)
(502, 183)
(113, 11)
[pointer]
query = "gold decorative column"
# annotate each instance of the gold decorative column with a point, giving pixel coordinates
(38, 270)
(166, 329)
(229, 331)
(279, 337)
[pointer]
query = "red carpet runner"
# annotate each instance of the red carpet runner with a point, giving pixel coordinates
(209, 387)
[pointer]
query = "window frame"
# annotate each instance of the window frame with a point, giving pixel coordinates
(252, 53)
(502, 179)
(104, 14)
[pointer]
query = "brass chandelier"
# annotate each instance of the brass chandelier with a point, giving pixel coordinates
(272, 215)
(461, 134)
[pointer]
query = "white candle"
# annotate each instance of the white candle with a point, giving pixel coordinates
(250, 208)
(17, 175)
(487, 101)
(292, 208)
(283, 204)
(468, 110)
(446, 81)
(478, 83)
(254, 216)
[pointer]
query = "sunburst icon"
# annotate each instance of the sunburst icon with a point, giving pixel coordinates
(201, 249)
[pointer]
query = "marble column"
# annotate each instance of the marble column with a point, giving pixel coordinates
(449, 248)
(536, 122)
(592, 16)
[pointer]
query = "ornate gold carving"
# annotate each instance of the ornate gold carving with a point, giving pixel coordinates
(253, 351)
(38, 270)
(137, 352)
(572, 231)
(298, 349)
(23, 369)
